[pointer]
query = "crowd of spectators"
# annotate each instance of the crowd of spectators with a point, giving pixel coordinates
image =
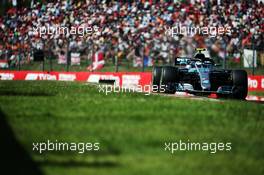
(131, 30)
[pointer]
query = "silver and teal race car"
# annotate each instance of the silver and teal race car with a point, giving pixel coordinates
(200, 76)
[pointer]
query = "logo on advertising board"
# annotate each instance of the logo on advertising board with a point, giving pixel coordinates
(40, 76)
(95, 78)
(67, 77)
(7, 76)
(256, 82)
(252, 83)
(130, 81)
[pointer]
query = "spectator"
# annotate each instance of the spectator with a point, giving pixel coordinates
(125, 27)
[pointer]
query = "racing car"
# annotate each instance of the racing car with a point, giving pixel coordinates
(200, 76)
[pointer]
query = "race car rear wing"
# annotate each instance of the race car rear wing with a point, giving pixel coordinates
(181, 61)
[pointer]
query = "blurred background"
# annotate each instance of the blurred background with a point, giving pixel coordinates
(130, 35)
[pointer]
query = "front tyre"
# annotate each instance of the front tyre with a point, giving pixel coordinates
(156, 74)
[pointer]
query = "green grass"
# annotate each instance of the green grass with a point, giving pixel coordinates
(132, 129)
(258, 93)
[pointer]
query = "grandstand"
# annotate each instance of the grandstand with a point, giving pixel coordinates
(128, 33)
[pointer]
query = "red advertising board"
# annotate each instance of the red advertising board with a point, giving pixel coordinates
(256, 83)
(121, 79)
(124, 79)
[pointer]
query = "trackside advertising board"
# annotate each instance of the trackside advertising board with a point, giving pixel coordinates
(124, 79)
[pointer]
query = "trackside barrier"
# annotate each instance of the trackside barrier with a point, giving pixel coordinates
(123, 79)
(256, 83)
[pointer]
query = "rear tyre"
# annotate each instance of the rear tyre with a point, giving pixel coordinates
(240, 84)
(169, 78)
(156, 74)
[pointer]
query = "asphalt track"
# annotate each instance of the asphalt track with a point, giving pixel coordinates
(249, 98)
(212, 97)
